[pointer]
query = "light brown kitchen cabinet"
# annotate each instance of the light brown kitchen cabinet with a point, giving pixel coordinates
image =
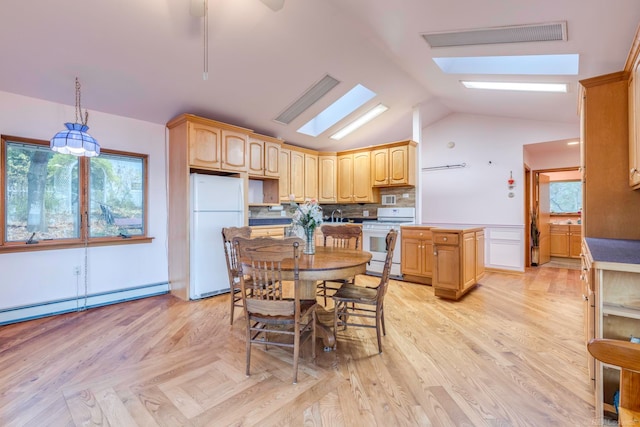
(327, 178)
(565, 240)
(634, 123)
(611, 268)
(296, 175)
(458, 261)
(416, 256)
(234, 150)
(267, 231)
(263, 156)
(310, 176)
(609, 209)
(204, 146)
(393, 165)
(354, 178)
(284, 184)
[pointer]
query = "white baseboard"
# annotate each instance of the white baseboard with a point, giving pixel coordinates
(50, 308)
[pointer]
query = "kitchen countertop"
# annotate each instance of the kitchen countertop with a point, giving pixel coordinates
(615, 254)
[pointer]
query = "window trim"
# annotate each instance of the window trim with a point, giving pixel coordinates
(83, 178)
(576, 213)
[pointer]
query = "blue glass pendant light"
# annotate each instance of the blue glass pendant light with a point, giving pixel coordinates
(75, 139)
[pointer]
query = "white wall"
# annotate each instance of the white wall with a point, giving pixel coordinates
(478, 194)
(34, 278)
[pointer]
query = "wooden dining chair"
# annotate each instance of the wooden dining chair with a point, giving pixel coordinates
(359, 302)
(233, 267)
(268, 312)
(338, 236)
(626, 355)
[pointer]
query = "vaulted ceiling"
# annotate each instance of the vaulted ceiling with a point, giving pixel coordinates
(145, 58)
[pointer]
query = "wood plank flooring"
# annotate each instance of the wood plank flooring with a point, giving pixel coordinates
(510, 353)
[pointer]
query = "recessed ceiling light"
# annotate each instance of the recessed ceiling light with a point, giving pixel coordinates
(365, 118)
(532, 87)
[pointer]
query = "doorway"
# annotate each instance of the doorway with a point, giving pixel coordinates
(539, 203)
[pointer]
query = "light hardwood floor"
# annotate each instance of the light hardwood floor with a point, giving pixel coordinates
(510, 353)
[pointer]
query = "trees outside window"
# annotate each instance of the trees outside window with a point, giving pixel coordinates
(48, 196)
(565, 196)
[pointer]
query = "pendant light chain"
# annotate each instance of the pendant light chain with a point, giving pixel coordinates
(205, 74)
(79, 106)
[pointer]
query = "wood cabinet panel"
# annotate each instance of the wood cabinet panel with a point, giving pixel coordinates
(255, 152)
(417, 254)
(458, 261)
(609, 208)
(285, 174)
(394, 165)
(362, 189)
(234, 151)
(271, 159)
(327, 179)
(204, 146)
(296, 175)
(447, 267)
(354, 178)
(310, 176)
(565, 240)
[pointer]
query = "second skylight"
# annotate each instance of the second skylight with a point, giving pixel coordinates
(337, 111)
(519, 64)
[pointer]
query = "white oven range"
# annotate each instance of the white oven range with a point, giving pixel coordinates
(375, 232)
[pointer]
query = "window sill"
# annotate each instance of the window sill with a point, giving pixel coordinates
(50, 245)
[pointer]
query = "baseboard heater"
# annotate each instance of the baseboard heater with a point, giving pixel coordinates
(50, 308)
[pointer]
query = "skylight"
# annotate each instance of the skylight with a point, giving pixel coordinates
(519, 64)
(337, 111)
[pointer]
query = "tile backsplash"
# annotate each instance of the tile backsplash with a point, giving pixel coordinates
(348, 210)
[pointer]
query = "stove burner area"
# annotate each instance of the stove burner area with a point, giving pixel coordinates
(374, 234)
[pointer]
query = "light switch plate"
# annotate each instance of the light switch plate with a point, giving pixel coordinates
(365, 213)
(283, 213)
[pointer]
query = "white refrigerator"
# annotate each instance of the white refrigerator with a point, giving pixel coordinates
(216, 202)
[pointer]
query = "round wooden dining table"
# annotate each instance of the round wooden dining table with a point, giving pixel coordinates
(328, 263)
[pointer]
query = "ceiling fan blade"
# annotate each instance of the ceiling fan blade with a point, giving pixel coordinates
(274, 5)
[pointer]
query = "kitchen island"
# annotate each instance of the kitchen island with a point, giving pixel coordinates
(451, 259)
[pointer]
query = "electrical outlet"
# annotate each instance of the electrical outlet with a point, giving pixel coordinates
(405, 195)
(283, 213)
(76, 270)
(365, 213)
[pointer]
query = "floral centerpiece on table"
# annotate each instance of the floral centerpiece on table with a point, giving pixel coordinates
(306, 217)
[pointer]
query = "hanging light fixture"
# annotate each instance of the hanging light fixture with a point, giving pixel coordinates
(75, 139)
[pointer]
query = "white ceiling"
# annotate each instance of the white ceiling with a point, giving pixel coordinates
(144, 58)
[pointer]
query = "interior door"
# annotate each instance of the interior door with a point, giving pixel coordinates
(544, 218)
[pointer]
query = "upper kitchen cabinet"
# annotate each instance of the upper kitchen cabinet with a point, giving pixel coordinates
(210, 144)
(327, 178)
(263, 156)
(204, 146)
(298, 173)
(310, 176)
(234, 150)
(354, 178)
(285, 174)
(394, 164)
